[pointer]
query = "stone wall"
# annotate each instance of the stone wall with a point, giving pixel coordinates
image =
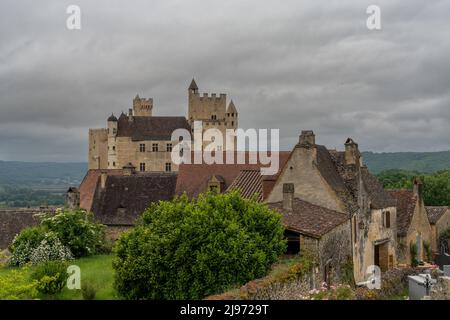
(14, 220)
(441, 290)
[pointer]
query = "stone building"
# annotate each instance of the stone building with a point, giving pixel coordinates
(339, 181)
(439, 218)
(146, 141)
(73, 198)
(413, 226)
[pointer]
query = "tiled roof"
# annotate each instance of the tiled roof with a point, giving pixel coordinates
(309, 219)
(193, 178)
(435, 213)
(150, 128)
(406, 203)
(125, 198)
(89, 185)
(249, 183)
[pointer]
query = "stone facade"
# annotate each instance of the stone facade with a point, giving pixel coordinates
(145, 142)
(438, 227)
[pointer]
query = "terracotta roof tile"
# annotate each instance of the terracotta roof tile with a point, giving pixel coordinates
(89, 185)
(309, 219)
(406, 203)
(193, 178)
(249, 183)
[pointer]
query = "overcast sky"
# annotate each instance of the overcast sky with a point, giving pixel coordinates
(287, 64)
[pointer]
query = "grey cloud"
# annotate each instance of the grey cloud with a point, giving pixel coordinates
(291, 65)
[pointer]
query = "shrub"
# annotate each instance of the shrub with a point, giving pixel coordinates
(77, 231)
(88, 291)
(23, 245)
(339, 292)
(51, 277)
(190, 249)
(17, 285)
(50, 249)
(427, 249)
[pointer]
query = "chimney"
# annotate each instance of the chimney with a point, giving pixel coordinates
(307, 138)
(268, 182)
(352, 155)
(129, 169)
(103, 177)
(288, 196)
(418, 188)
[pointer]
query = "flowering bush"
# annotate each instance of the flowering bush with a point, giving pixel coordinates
(50, 249)
(23, 245)
(339, 292)
(77, 231)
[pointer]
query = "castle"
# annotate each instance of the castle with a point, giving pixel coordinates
(145, 141)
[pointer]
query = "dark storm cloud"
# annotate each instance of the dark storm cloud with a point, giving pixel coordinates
(291, 65)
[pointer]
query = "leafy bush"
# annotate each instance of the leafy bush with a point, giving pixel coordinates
(73, 229)
(427, 249)
(23, 245)
(51, 277)
(190, 249)
(50, 249)
(17, 285)
(88, 291)
(77, 231)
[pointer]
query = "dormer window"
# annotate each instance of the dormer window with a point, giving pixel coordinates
(387, 219)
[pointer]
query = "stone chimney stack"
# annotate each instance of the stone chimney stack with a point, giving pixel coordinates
(418, 188)
(288, 196)
(129, 169)
(103, 176)
(307, 138)
(352, 154)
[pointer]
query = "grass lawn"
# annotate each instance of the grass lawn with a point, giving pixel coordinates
(96, 270)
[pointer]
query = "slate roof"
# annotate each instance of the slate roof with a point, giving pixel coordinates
(125, 198)
(406, 203)
(193, 178)
(89, 185)
(435, 213)
(193, 85)
(249, 183)
(150, 128)
(309, 219)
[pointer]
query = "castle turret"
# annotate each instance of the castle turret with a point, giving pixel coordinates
(193, 87)
(112, 125)
(142, 107)
(232, 115)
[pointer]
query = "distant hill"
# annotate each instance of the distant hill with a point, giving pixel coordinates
(41, 175)
(411, 161)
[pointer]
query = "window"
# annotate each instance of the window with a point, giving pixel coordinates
(142, 147)
(114, 131)
(168, 167)
(155, 147)
(232, 123)
(142, 166)
(114, 148)
(114, 164)
(387, 219)
(214, 188)
(232, 114)
(181, 152)
(169, 147)
(214, 117)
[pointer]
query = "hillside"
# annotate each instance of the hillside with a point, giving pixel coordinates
(410, 161)
(41, 175)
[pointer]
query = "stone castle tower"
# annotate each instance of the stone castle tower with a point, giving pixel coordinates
(144, 140)
(212, 110)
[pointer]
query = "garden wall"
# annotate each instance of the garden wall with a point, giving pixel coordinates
(14, 220)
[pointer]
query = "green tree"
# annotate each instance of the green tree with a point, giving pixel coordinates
(186, 249)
